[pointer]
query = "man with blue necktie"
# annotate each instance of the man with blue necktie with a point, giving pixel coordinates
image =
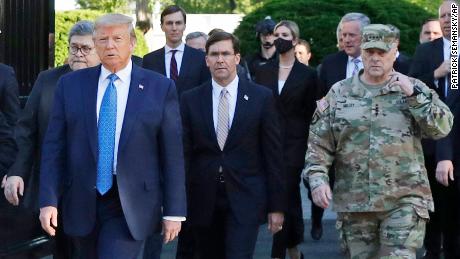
(113, 152)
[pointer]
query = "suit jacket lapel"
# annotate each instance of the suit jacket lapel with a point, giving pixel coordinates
(133, 105)
(89, 93)
(241, 110)
(206, 108)
(160, 63)
(290, 80)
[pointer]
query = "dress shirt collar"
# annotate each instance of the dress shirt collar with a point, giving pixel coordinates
(124, 75)
(180, 48)
(350, 59)
(397, 54)
(446, 42)
(232, 88)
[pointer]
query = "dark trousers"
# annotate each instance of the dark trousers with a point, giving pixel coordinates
(153, 246)
(186, 243)
(292, 233)
(444, 224)
(110, 238)
(225, 237)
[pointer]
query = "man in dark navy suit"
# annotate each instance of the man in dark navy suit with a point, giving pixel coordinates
(177, 61)
(113, 152)
(23, 176)
(232, 144)
(431, 64)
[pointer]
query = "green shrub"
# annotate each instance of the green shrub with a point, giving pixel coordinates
(65, 20)
(318, 19)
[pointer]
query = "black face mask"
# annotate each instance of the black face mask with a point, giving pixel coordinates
(283, 46)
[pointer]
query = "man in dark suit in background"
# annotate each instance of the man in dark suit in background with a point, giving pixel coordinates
(233, 164)
(187, 67)
(345, 63)
(114, 145)
(177, 61)
(431, 64)
(9, 110)
(31, 128)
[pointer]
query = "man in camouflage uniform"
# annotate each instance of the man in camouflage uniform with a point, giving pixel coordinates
(370, 126)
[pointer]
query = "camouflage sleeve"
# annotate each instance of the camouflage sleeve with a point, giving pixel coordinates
(321, 144)
(433, 116)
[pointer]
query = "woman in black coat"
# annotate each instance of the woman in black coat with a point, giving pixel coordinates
(294, 86)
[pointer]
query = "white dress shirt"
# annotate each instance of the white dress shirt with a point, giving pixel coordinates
(351, 65)
(232, 89)
(281, 85)
(122, 86)
(178, 56)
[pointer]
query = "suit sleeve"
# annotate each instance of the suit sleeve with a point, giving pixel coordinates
(26, 133)
(187, 139)
(9, 98)
(170, 140)
(271, 149)
(7, 146)
(9, 109)
(53, 152)
(420, 68)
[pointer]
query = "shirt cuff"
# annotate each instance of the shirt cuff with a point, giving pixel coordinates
(317, 179)
(170, 218)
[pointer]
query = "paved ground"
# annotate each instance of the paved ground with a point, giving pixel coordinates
(326, 248)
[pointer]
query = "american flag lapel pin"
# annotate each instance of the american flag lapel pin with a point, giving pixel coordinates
(246, 97)
(141, 87)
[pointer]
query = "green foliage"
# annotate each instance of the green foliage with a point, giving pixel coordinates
(318, 19)
(215, 6)
(106, 6)
(65, 20)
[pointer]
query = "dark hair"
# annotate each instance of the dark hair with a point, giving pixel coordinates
(211, 32)
(173, 9)
(429, 20)
(220, 36)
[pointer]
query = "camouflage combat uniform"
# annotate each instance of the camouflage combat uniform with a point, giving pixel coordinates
(381, 181)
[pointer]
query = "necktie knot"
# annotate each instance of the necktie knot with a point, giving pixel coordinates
(173, 51)
(223, 93)
(112, 77)
(356, 61)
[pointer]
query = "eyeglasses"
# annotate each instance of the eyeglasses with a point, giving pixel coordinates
(85, 50)
(225, 55)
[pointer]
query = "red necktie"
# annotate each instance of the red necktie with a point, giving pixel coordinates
(173, 74)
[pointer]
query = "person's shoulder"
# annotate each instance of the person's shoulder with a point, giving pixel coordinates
(154, 53)
(196, 92)
(194, 52)
(150, 74)
(57, 71)
(6, 69)
(332, 58)
(430, 45)
(257, 89)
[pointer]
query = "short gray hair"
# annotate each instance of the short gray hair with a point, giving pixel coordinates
(356, 17)
(196, 34)
(81, 28)
(113, 19)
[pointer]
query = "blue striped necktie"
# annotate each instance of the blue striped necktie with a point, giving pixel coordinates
(106, 136)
